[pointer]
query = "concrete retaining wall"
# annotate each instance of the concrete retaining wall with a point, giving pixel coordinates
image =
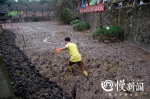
(134, 21)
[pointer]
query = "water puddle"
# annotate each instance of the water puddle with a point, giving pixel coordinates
(61, 33)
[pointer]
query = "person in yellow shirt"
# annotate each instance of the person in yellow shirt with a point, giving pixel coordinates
(75, 56)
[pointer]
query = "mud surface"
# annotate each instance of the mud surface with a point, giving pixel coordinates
(26, 81)
(125, 65)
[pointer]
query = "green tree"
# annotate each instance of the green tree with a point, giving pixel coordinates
(66, 10)
(6, 3)
(2, 1)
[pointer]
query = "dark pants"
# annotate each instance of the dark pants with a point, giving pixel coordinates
(80, 64)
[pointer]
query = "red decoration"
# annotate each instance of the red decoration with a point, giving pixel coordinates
(95, 8)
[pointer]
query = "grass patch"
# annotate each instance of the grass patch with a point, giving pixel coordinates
(13, 13)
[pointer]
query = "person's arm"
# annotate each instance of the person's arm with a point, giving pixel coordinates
(63, 48)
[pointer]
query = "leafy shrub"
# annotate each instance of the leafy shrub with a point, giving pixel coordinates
(66, 15)
(81, 26)
(74, 22)
(65, 11)
(111, 33)
(35, 19)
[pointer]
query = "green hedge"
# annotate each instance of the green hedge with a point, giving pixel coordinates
(111, 33)
(74, 22)
(35, 19)
(81, 26)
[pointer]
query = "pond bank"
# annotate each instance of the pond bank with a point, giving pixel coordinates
(27, 82)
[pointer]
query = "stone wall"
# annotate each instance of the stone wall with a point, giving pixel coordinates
(6, 91)
(135, 22)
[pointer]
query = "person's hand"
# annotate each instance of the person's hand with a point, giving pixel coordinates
(58, 50)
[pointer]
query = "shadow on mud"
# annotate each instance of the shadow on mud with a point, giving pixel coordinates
(27, 82)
